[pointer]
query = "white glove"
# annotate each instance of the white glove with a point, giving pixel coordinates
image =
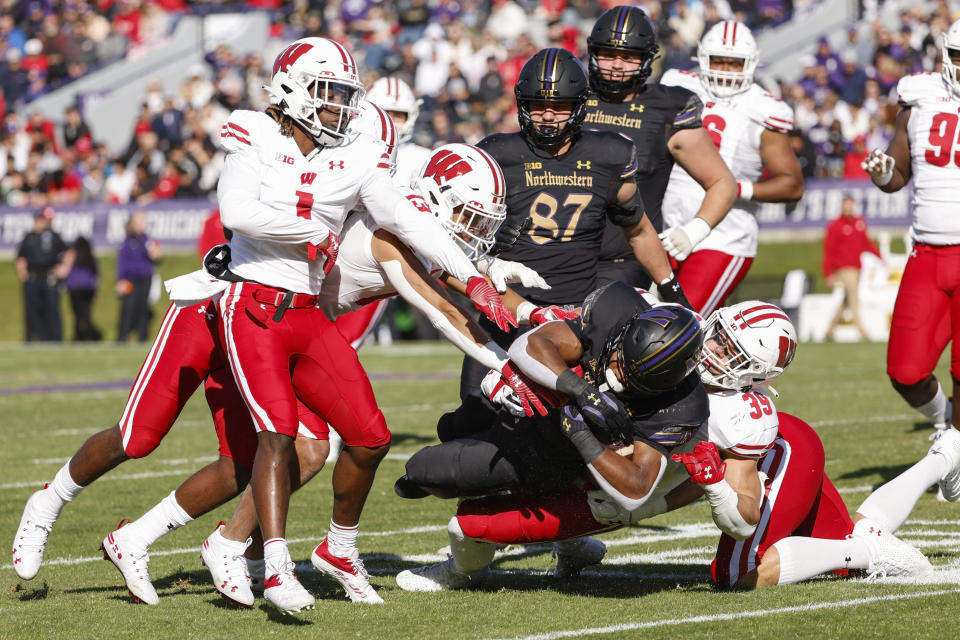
(680, 241)
(504, 272)
(499, 392)
(879, 166)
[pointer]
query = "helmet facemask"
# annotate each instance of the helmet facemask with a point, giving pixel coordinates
(602, 78)
(330, 96)
(470, 226)
(732, 41)
(949, 69)
(555, 133)
(726, 83)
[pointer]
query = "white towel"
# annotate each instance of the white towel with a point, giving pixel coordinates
(194, 287)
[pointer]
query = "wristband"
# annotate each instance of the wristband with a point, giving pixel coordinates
(570, 384)
(587, 445)
(884, 179)
(745, 190)
(524, 309)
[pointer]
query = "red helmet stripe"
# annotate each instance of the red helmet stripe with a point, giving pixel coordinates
(495, 169)
(348, 64)
(787, 347)
(725, 25)
(733, 38)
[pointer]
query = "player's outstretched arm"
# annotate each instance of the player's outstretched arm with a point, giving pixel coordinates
(412, 282)
(695, 152)
(785, 183)
(891, 171)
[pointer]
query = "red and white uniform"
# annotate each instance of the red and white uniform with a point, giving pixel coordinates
(927, 311)
(410, 160)
(735, 125)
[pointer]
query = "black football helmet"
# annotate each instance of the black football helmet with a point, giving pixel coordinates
(658, 349)
(552, 75)
(625, 29)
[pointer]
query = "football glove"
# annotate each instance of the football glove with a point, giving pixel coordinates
(485, 299)
(545, 314)
(879, 166)
(508, 234)
(504, 272)
(703, 463)
(680, 241)
(671, 291)
(608, 419)
(330, 252)
(496, 389)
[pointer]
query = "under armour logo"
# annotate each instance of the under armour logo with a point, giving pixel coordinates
(594, 399)
(309, 177)
(171, 526)
(585, 164)
(636, 107)
(913, 254)
(707, 473)
(336, 165)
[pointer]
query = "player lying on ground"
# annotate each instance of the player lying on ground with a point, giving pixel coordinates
(746, 345)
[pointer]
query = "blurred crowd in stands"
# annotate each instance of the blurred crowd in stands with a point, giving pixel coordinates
(461, 56)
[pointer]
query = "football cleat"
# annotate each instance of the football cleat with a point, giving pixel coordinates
(889, 555)
(285, 592)
(256, 569)
(349, 572)
(132, 561)
(31, 538)
(576, 554)
(948, 445)
(228, 568)
(442, 576)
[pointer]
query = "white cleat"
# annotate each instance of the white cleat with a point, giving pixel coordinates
(889, 555)
(285, 592)
(442, 576)
(31, 538)
(349, 572)
(228, 568)
(576, 554)
(948, 445)
(132, 561)
(256, 569)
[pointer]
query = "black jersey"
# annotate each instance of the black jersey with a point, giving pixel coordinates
(650, 119)
(566, 199)
(663, 421)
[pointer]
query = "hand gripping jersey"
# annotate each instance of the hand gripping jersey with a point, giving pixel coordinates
(934, 155)
(322, 186)
(567, 199)
(735, 125)
(357, 279)
(650, 119)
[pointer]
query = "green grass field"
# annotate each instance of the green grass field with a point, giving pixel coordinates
(654, 582)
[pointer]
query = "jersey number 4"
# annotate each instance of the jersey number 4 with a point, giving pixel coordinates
(759, 405)
(942, 135)
(545, 207)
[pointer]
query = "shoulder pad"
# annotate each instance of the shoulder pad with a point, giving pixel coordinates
(680, 78)
(689, 108)
(245, 129)
(917, 86)
(767, 110)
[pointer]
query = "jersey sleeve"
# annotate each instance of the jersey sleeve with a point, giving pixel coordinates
(241, 131)
(690, 111)
(910, 89)
(629, 166)
(775, 114)
(377, 123)
(744, 424)
(680, 78)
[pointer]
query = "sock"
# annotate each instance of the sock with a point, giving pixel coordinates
(64, 486)
(935, 409)
(342, 541)
(890, 505)
(802, 558)
(165, 517)
(275, 556)
(469, 554)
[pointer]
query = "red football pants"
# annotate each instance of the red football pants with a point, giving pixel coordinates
(799, 501)
(301, 356)
(926, 314)
(709, 276)
(357, 325)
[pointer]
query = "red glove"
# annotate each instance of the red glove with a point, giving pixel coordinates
(331, 251)
(703, 463)
(521, 386)
(545, 314)
(488, 301)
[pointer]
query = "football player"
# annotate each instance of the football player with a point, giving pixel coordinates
(665, 125)
(749, 128)
(926, 315)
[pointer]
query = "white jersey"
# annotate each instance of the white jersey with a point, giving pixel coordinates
(272, 197)
(735, 125)
(375, 122)
(934, 156)
(410, 160)
(357, 279)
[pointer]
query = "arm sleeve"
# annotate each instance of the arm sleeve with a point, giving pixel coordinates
(486, 357)
(420, 232)
(241, 210)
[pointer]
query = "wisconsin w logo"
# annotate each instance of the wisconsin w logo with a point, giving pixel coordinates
(307, 178)
(290, 55)
(445, 166)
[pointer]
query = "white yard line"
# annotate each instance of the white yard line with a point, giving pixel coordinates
(719, 617)
(866, 420)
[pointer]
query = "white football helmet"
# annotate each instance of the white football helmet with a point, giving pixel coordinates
(728, 39)
(393, 94)
(951, 40)
(313, 74)
(757, 342)
(465, 189)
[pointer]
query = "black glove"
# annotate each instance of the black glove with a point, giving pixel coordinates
(508, 235)
(670, 291)
(607, 418)
(217, 260)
